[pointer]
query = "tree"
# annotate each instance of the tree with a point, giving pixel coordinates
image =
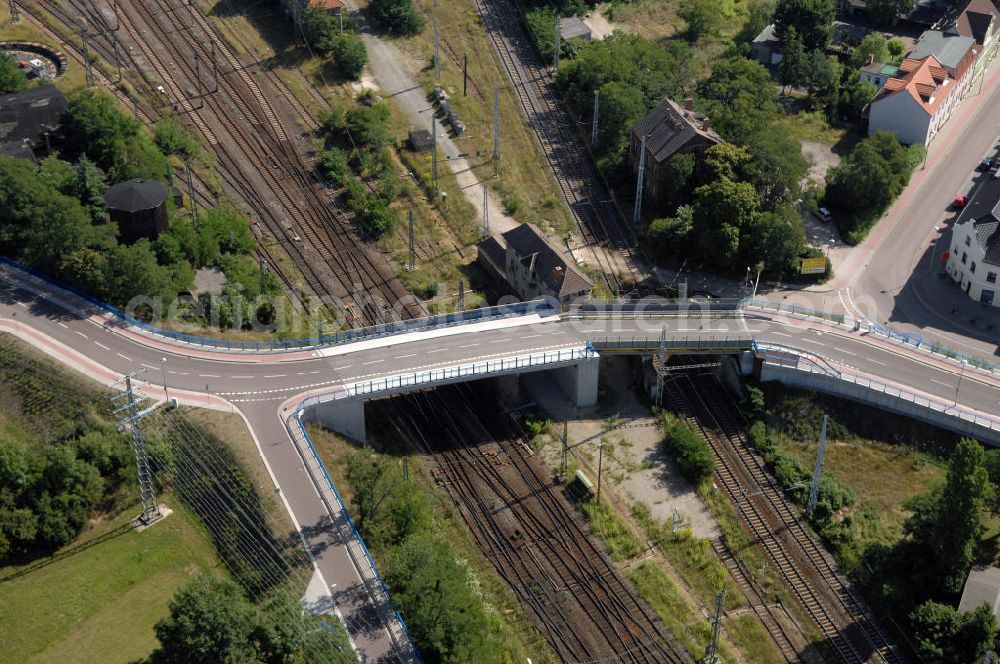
(855, 95)
(620, 106)
(884, 11)
(210, 622)
(758, 17)
(945, 636)
(94, 124)
(740, 98)
(396, 16)
(349, 56)
(721, 210)
(132, 271)
(821, 76)
(668, 236)
(319, 29)
(439, 598)
(791, 69)
(702, 16)
(678, 173)
(811, 18)
(171, 138)
(873, 48)
(88, 187)
(693, 454)
(12, 79)
(776, 166)
(776, 239)
(960, 512)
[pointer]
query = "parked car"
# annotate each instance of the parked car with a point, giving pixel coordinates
(959, 201)
(823, 215)
(986, 164)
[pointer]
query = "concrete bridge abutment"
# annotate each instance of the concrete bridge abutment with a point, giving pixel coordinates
(344, 416)
(579, 381)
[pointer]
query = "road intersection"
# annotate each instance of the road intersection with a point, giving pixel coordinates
(265, 387)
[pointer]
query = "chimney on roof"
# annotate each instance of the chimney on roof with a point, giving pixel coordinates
(704, 124)
(871, 58)
(689, 104)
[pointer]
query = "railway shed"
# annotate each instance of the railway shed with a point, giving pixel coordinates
(30, 121)
(139, 208)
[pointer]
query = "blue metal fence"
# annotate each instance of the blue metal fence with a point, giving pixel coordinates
(541, 307)
(354, 530)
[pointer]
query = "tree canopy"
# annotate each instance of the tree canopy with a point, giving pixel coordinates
(812, 19)
(740, 98)
(396, 16)
(12, 79)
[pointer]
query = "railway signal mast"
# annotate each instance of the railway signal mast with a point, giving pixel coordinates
(412, 262)
(434, 158)
(437, 53)
(86, 56)
(486, 209)
(712, 649)
(817, 471)
(496, 131)
(558, 45)
(593, 126)
(640, 181)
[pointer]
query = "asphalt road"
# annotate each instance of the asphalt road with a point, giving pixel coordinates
(265, 387)
(880, 273)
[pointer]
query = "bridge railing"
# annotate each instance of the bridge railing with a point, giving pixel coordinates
(403, 645)
(470, 370)
(773, 355)
(795, 310)
(541, 307)
(701, 344)
(653, 306)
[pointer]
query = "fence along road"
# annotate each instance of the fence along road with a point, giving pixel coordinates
(260, 385)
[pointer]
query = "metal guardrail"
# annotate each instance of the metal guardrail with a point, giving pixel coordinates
(807, 365)
(700, 344)
(795, 310)
(653, 306)
(397, 382)
(542, 307)
(374, 584)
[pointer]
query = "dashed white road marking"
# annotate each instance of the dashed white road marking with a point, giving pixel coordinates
(372, 362)
(437, 350)
(781, 334)
(815, 343)
(400, 357)
(22, 304)
(209, 376)
(346, 366)
(80, 333)
(150, 366)
(124, 357)
(847, 352)
(530, 336)
(934, 380)
(876, 362)
(469, 345)
(102, 345)
(242, 377)
(61, 324)
(276, 376)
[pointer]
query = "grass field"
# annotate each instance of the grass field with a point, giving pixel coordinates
(97, 599)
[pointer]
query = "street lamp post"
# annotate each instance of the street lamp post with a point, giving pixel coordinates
(163, 368)
(600, 463)
(959, 385)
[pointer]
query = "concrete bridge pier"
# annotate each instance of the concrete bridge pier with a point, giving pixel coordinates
(579, 381)
(345, 416)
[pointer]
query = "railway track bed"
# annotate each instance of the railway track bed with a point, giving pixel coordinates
(529, 531)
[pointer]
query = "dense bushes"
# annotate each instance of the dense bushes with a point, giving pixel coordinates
(868, 181)
(694, 456)
(398, 17)
(434, 589)
(322, 33)
(12, 79)
(358, 147)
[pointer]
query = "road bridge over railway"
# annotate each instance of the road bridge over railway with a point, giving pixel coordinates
(274, 387)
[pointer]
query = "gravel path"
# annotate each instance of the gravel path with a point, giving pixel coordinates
(392, 71)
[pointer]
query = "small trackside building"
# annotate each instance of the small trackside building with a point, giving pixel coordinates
(974, 255)
(532, 266)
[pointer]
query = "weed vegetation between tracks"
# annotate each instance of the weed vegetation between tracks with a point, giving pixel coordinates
(918, 522)
(456, 608)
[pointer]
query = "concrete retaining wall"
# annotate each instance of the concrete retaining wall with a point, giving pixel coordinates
(949, 420)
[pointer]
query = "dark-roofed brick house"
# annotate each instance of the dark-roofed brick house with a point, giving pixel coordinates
(974, 257)
(980, 19)
(532, 266)
(139, 208)
(668, 129)
(28, 119)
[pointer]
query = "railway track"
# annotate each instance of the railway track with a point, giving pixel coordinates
(336, 266)
(583, 189)
(529, 532)
(843, 620)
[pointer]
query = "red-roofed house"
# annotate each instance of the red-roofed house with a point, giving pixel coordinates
(917, 102)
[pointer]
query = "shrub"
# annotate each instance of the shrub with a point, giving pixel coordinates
(397, 16)
(171, 138)
(694, 456)
(349, 56)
